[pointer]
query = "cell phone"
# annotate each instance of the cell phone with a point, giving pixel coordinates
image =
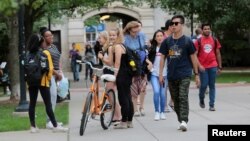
(163, 84)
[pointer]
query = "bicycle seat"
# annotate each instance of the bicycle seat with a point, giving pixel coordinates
(108, 77)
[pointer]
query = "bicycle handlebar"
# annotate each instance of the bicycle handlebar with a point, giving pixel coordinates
(95, 68)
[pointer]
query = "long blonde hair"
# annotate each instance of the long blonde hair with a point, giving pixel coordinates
(105, 35)
(119, 39)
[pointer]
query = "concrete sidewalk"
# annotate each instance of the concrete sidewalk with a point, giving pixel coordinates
(232, 107)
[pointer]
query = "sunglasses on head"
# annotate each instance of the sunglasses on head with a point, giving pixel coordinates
(174, 23)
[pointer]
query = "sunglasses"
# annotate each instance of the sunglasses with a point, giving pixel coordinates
(174, 23)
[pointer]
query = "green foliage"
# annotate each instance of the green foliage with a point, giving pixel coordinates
(8, 7)
(95, 20)
(229, 20)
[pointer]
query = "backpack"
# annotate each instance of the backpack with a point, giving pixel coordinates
(36, 64)
(136, 61)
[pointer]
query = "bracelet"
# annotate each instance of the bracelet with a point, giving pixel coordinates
(220, 68)
(196, 73)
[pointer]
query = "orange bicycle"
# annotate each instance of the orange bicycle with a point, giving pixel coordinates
(95, 104)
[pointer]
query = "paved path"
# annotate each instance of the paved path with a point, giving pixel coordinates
(232, 107)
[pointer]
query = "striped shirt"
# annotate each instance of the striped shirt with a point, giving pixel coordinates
(55, 54)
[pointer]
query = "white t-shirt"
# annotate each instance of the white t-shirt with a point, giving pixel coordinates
(156, 65)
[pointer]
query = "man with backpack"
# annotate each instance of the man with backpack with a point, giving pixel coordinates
(210, 64)
(180, 53)
(135, 40)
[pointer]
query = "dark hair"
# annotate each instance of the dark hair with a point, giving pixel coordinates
(205, 24)
(97, 47)
(153, 41)
(43, 30)
(167, 24)
(34, 42)
(198, 31)
(180, 17)
(73, 44)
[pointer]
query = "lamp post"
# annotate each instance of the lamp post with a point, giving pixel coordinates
(23, 104)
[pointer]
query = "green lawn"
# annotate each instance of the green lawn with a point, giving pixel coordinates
(226, 77)
(8, 122)
(233, 77)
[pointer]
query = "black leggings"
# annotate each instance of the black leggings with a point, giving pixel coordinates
(123, 83)
(45, 93)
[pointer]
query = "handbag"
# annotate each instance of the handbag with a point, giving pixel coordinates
(63, 87)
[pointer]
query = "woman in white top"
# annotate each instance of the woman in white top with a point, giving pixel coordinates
(159, 90)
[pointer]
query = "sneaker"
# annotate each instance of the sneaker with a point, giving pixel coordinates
(121, 125)
(142, 112)
(130, 124)
(34, 129)
(60, 129)
(162, 116)
(137, 114)
(49, 125)
(211, 109)
(183, 126)
(202, 104)
(157, 116)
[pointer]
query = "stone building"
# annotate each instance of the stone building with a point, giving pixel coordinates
(73, 29)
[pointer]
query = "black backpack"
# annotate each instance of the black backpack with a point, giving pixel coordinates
(135, 64)
(36, 64)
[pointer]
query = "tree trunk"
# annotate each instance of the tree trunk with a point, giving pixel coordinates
(13, 57)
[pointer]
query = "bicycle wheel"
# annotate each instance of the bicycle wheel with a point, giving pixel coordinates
(108, 107)
(86, 113)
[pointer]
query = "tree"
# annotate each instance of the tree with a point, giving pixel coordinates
(229, 20)
(34, 11)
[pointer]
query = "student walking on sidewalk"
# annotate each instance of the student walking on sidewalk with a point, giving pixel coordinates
(210, 64)
(154, 56)
(180, 53)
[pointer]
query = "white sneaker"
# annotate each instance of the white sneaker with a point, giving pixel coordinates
(183, 126)
(34, 129)
(162, 116)
(157, 116)
(49, 125)
(60, 129)
(137, 114)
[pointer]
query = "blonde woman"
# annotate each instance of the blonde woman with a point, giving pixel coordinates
(123, 79)
(106, 56)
